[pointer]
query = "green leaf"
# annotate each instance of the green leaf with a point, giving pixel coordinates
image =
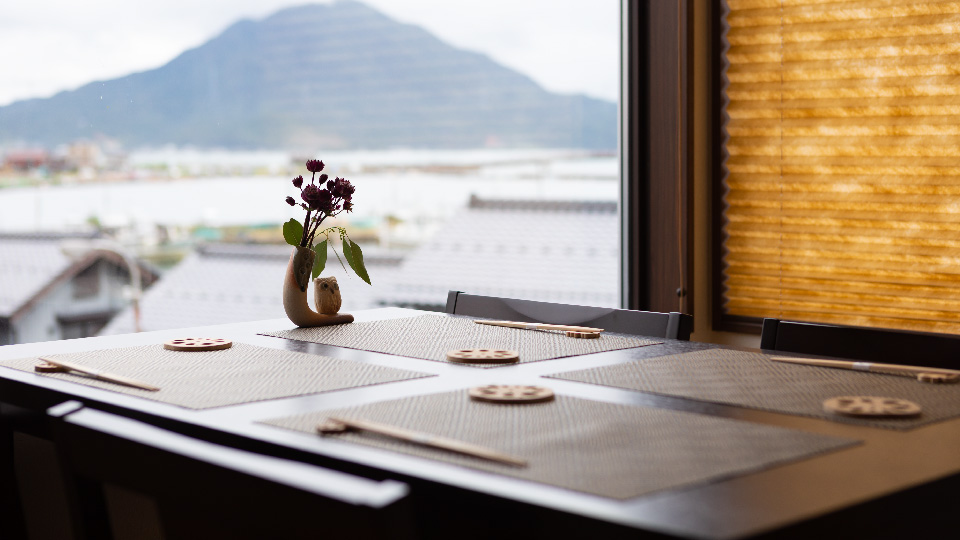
(321, 259)
(347, 252)
(356, 262)
(292, 232)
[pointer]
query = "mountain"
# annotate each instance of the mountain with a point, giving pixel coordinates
(341, 75)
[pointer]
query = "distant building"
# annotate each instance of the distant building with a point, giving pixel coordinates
(227, 283)
(85, 154)
(26, 159)
(45, 295)
(554, 251)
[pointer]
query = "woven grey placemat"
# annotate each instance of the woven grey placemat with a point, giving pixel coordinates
(753, 380)
(610, 450)
(241, 374)
(429, 337)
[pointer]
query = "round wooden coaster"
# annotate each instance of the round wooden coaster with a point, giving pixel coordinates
(483, 356)
(47, 367)
(871, 406)
(938, 378)
(583, 335)
(511, 393)
(198, 344)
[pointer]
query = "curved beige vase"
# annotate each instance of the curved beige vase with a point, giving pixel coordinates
(295, 283)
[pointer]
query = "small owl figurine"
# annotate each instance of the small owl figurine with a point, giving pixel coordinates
(326, 293)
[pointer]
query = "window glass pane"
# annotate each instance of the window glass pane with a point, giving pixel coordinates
(842, 175)
(480, 137)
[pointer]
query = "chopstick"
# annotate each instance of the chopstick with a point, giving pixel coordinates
(425, 439)
(541, 326)
(100, 375)
(891, 369)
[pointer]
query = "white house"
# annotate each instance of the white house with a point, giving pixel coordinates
(47, 295)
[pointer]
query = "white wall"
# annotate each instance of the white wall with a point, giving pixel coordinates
(40, 322)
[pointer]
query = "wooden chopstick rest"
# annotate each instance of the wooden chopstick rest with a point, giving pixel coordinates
(511, 393)
(330, 425)
(583, 335)
(46, 367)
(871, 406)
(938, 378)
(197, 344)
(339, 425)
(483, 356)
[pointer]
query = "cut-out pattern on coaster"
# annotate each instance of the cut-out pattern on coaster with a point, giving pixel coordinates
(483, 356)
(871, 406)
(611, 450)
(197, 344)
(511, 393)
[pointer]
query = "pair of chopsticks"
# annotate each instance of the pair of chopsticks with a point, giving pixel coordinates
(542, 326)
(66, 367)
(947, 375)
(336, 425)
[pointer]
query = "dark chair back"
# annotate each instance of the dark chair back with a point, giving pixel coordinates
(858, 343)
(205, 490)
(12, 524)
(626, 321)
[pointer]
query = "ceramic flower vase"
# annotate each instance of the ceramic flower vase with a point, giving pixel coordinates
(295, 283)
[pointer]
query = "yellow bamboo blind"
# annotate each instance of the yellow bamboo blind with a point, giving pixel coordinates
(843, 175)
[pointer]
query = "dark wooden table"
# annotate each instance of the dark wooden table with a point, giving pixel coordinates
(894, 484)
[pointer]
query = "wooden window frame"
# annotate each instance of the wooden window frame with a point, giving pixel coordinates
(721, 320)
(656, 172)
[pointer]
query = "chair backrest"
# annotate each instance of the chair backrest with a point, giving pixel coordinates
(645, 323)
(858, 343)
(205, 490)
(12, 523)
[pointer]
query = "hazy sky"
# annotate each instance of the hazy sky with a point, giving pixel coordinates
(52, 45)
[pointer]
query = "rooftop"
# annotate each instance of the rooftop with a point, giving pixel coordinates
(29, 263)
(555, 251)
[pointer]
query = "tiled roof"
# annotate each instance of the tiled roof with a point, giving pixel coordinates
(28, 263)
(555, 251)
(227, 283)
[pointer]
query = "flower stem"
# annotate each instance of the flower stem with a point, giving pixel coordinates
(306, 226)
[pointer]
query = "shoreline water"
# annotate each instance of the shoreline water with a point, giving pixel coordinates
(417, 187)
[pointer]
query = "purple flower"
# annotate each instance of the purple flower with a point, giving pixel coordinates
(341, 188)
(311, 196)
(325, 202)
(314, 165)
(348, 206)
(298, 181)
(323, 178)
(317, 199)
(290, 201)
